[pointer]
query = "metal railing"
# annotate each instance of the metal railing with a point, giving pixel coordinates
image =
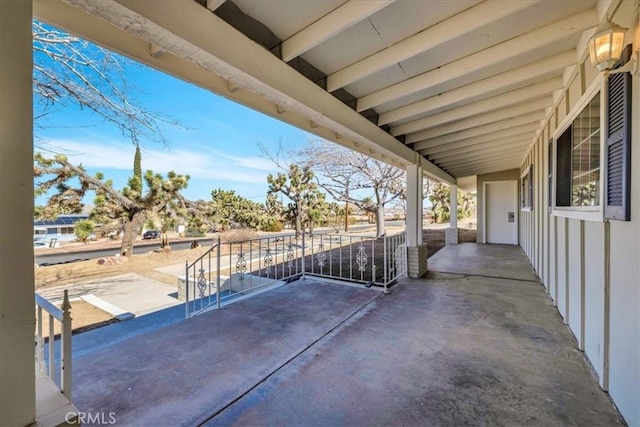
(229, 270)
(369, 260)
(46, 366)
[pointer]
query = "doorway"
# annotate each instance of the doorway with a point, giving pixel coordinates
(500, 212)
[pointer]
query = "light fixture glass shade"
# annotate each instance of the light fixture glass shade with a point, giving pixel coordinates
(605, 46)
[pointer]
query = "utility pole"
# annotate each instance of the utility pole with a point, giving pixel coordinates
(346, 216)
(346, 208)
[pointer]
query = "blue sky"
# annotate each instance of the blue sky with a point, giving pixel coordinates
(219, 148)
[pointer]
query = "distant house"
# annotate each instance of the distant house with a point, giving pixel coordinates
(61, 228)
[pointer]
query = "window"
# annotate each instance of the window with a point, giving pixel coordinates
(526, 191)
(578, 159)
(591, 173)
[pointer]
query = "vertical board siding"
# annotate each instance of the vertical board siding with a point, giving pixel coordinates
(553, 259)
(594, 275)
(561, 267)
(575, 90)
(591, 270)
(624, 321)
(574, 260)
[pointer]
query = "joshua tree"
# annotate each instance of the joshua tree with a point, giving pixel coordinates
(299, 186)
(130, 206)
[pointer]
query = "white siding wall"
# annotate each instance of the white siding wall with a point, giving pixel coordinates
(552, 283)
(574, 282)
(562, 273)
(594, 276)
(591, 269)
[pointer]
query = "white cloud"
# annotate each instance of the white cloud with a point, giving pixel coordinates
(200, 162)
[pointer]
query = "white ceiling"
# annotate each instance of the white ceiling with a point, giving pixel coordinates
(465, 83)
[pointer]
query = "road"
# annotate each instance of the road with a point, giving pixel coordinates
(141, 248)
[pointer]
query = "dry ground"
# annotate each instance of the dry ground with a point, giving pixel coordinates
(90, 270)
(86, 316)
(144, 264)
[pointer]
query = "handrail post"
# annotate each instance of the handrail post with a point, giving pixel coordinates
(65, 342)
(303, 255)
(385, 260)
(40, 346)
(186, 289)
(218, 273)
(52, 348)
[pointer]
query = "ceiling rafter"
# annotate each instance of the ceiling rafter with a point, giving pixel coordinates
(486, 133)
(469, 132)
(483, 169)
(472, 169)
(456, 26)
(456, 167)
(483, 159)
(479, 158)
(461, 153)
(500, 53)
(212, 5)
(493, 103)
(481, 88)
(329, 25)
(494, 143)
(433, 145)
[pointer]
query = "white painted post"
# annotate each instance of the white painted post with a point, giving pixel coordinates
(17, 307)
(453, 206)
(416, 250)
(451, 234)
(65, 344)
(414, 206)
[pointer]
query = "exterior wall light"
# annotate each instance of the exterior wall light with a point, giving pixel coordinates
(605, 49)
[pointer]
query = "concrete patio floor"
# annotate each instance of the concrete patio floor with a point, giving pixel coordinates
(450, 349)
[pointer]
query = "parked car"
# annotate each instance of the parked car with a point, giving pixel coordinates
(151, 234)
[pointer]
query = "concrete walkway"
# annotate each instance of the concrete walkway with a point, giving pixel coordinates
(499, 261)
(451, 349)
(131, 292)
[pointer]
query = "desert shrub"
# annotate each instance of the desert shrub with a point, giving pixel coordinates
(84, 229)
(238, 235)
(272, 224)
(194, 232)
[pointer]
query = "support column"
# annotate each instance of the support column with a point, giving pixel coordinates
(451, 234)
(17, 306)
(416, 249)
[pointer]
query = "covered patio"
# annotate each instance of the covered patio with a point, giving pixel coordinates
(499, 96)
(469, 346)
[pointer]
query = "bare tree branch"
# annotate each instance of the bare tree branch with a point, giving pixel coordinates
(68, 70)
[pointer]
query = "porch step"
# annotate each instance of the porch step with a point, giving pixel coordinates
(52, 407)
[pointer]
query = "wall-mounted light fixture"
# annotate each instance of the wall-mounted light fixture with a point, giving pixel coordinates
(605, 49)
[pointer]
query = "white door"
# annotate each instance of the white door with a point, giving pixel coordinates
(501, 202)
